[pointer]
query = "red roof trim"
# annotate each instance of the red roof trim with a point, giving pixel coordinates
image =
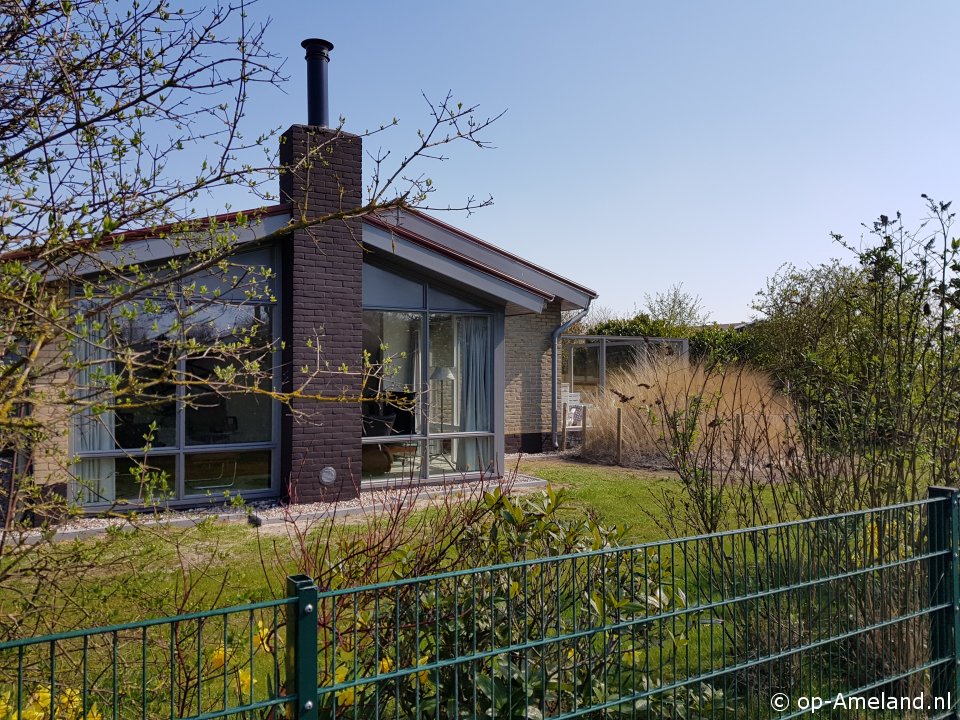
(482, 243)
(453, 254)
(152, 232)
(148, 233)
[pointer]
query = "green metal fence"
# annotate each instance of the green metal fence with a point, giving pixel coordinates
(855, 612)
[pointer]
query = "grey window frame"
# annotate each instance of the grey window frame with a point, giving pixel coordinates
(181, 450)
(495, 327)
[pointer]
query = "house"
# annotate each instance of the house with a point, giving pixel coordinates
(467, 328)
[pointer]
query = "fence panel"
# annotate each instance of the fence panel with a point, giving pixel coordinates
(729, 625)
(221, 663)
(849, 611)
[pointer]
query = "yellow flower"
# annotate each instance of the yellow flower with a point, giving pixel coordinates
(33, 712)
(244, 680)
(93, 714)
(263, 636)
(38, 706)
(69, 703)
(634, 657)
(6, 707)
(346, 697)
(218, 658)
(386, 665)
(422, 678)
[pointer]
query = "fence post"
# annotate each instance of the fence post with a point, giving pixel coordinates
(583, 430)
(619, 436)
(302, 651)
(563, 432)
(944, 577)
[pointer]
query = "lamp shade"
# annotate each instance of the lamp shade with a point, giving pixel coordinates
(442, 373)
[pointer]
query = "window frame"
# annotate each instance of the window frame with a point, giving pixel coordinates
(181, 449)
(425, 437)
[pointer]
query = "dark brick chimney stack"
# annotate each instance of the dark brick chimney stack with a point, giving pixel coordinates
(322, 305)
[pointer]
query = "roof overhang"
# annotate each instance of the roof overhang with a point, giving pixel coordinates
(410, 237)
(441, 262)
(151, 245)
(414, 233)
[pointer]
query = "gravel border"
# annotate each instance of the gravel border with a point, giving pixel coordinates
(273, 512)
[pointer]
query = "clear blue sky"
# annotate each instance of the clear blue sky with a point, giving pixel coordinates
(647, 144)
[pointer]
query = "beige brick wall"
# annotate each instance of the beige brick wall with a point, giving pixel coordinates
(51, 391)
(527, 371)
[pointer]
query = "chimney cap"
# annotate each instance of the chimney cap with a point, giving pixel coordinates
(316, 46)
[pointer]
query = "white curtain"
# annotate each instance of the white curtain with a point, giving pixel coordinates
(476, 397)
(94, 430)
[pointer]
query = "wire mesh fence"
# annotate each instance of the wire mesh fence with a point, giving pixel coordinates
(221, 663)
(854, 612)
(714, 626)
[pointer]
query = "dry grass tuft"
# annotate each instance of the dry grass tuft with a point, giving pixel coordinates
(734, 408)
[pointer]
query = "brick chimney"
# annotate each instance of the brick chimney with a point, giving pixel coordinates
(322, 300)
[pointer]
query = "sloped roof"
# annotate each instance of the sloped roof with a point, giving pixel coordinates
(430, 235)
(412, 236)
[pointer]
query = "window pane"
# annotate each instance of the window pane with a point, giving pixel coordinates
(455, 456)
(440, 300)
(101, 480)
(245, 277)
(586, 368)
(216, 473)
(386, 289)
(461, 374)
(391, 344)
(248, 325)
(624, 357)
(225, 315)
(220, 413)
(396, 460)
(145, 353)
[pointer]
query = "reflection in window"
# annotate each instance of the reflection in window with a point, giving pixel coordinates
(457, 455)
(586, 367)
(450, 355)
(184, 358)
(392, 460)
(126, 479)
(216, 473)
(218, 414)
(461, 378)
(391, 345)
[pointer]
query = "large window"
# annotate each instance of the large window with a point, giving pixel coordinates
(167, 386)
(429, 407)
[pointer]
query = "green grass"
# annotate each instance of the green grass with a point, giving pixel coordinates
(141, 573)
(620, 496)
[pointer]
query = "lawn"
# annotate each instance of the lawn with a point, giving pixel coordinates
(151, 572)
(619, 496)
(159, 571)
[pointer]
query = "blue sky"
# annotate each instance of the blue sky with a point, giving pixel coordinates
(650, 144)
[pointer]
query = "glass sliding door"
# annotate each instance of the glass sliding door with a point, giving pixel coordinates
(430, 406)
(392, 382)
(461, 393)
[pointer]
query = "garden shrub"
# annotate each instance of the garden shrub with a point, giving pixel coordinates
(391, 651)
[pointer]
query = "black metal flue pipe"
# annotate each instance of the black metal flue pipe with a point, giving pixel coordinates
(318, 55)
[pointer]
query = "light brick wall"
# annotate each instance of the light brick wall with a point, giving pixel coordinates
(527, 359)
(50, 459)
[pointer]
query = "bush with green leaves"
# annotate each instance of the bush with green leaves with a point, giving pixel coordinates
(518, 637)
